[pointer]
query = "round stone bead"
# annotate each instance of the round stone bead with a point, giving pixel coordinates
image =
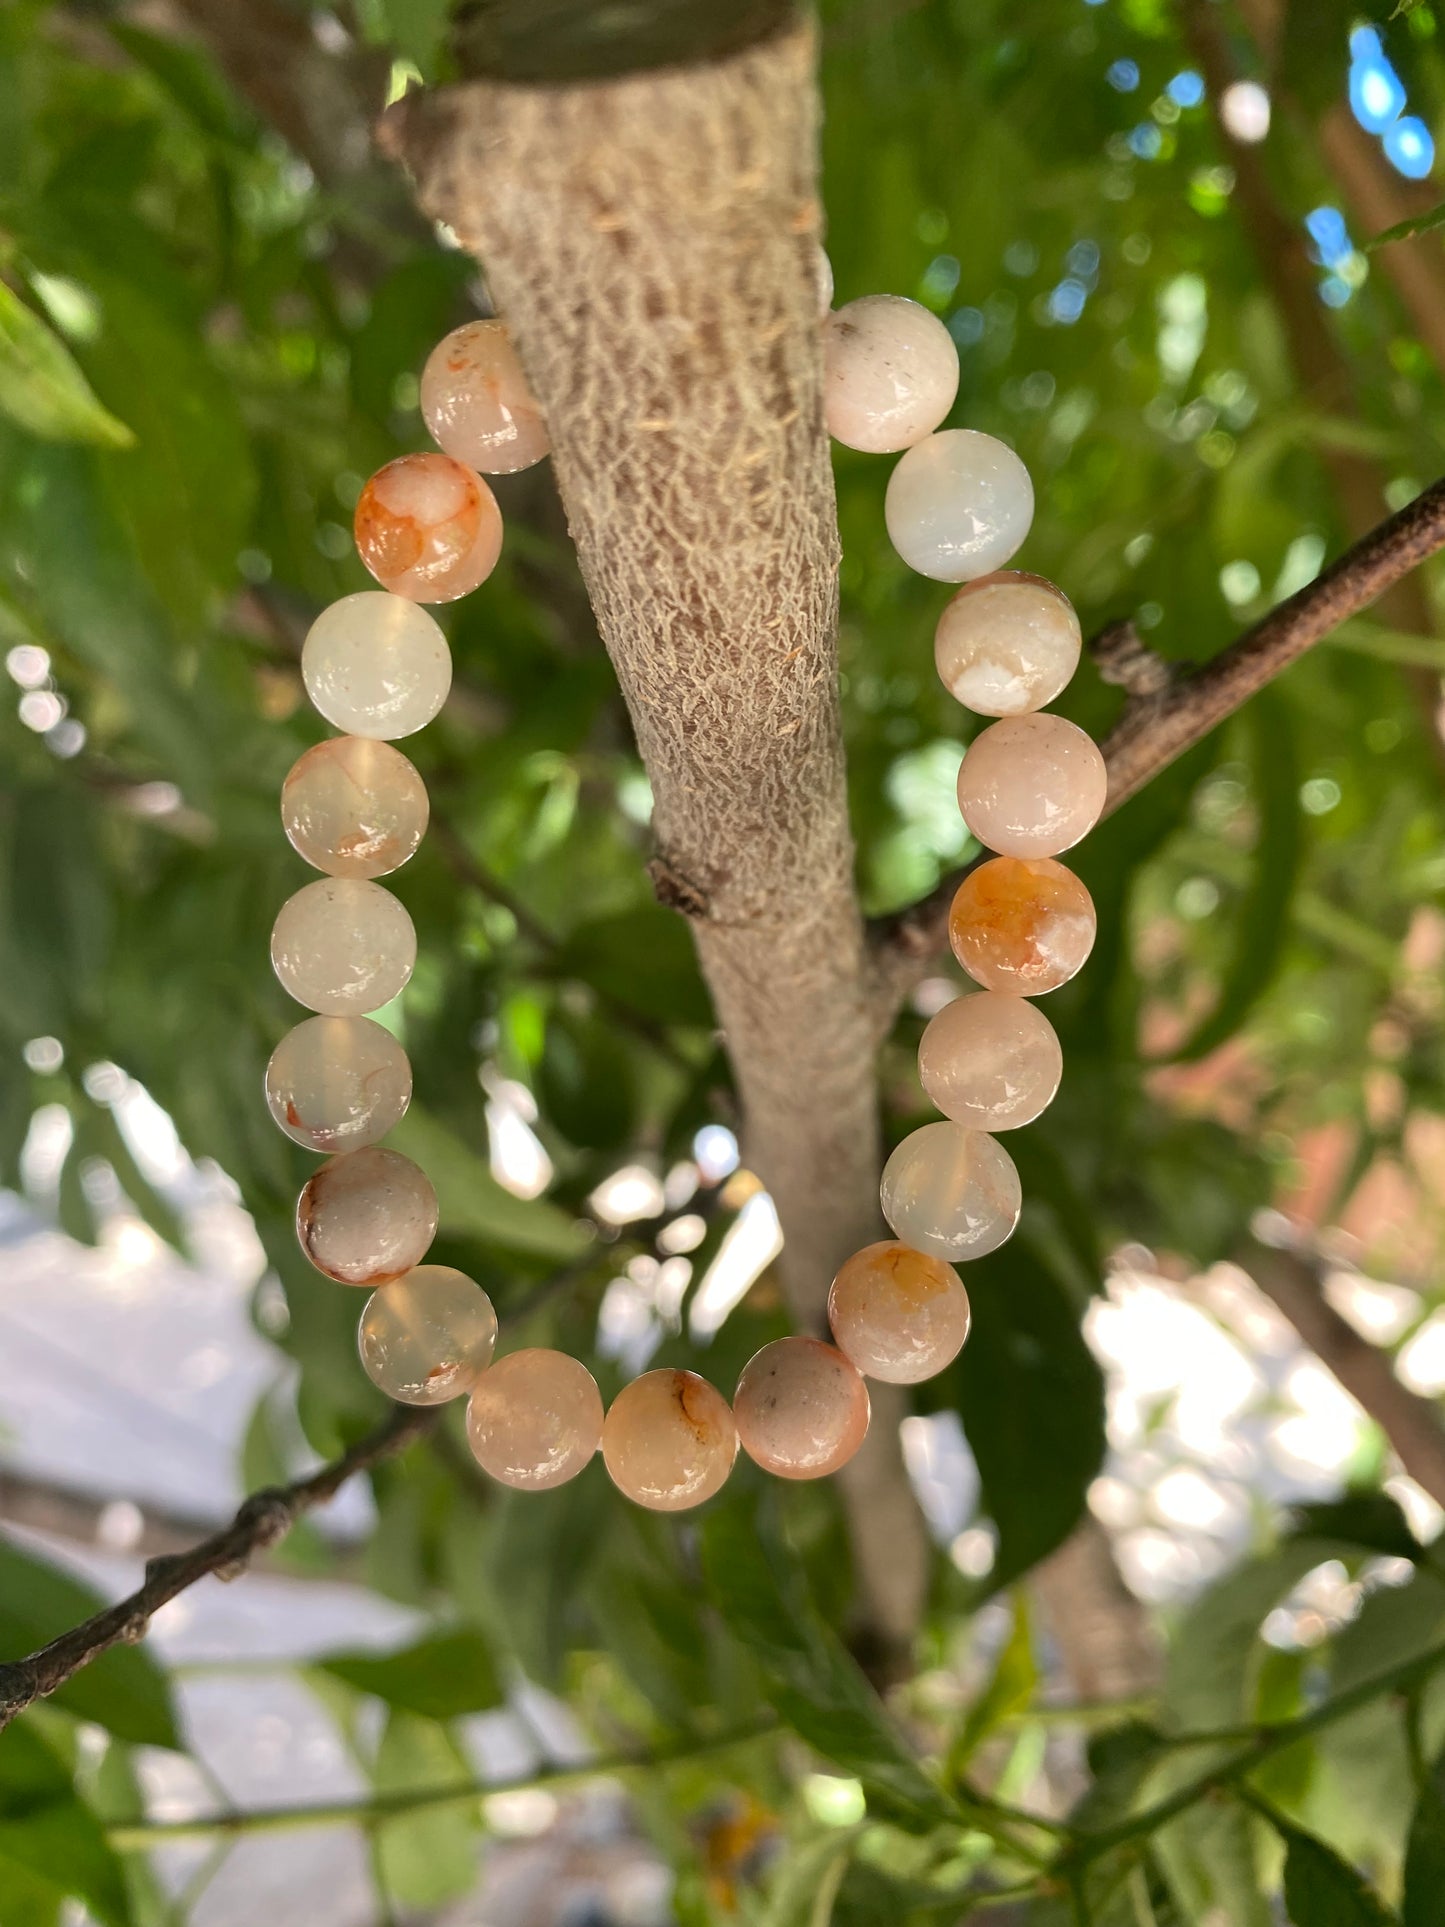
(354, 807)
(1032, 785)
(958, 505)
(337, 1083)
(990, 1061)
(899, 1314)
(1007, 643)
(366, 1217)
(1022, 926)
(427, 528)
(669, 1440)
(376, 665)
(890, 373)
(428, 1337)
(535, 1419)
(800, 1408)
(951, 1192)
(476, 402)
(343, 947)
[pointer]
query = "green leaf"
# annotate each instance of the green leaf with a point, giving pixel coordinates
(1424, 1897)
(644, 958)
(48, 1837)
(1321, 1890)
(428, 1857)
(439, 1678)
(1426, 223)
(586, 1082)
(473, 1202)
(1010, 1688)
(806, 1886)
(41, 386)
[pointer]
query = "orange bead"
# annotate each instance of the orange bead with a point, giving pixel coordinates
(427, 528)
(899, 1314)
(801, 1409)
(669, 1440)
(1020, 924)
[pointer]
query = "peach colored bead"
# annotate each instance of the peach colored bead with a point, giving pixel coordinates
(1022, 926)
(800, 1408)
(990, 1061)
(476, 402)
(669, 1440)
(366, 1217)
(900, 1315)
(1007, 643)
(535, 1419)
(951, 1192)
(958, 505)
(427, 528)
(337, 1083)
(428, 1337)
(354, 807)
(343, 946)
(376, 665)
(890, 373)
(1032, 785)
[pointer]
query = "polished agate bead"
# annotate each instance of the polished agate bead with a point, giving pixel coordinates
(958, 504)
(899, 1314)
(990, 1061)
(366, 1217)
(669, 1440)
(343, 947)
(535, 1419)
(1022, 926)
(800, 1408)
(354, 807)
(1032, 785)
(476, 402)
(427, 528)
(376, 665)
(1007, 643)
(336, 1083)
(951, 1191)
(428, 1336)
(890, 373)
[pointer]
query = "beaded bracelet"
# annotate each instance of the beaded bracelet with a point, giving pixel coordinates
(376, 665)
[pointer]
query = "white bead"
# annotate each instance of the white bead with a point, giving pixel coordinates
(1031, 786)
(343, 947)
(958, 505)
(366, 1217)
(1006, 644)
(354, 807)
(891, 373)
(427, 1337)
(951, 1192)
(336, 1083)
(990, 1061)
(477, 402)
(376, 665)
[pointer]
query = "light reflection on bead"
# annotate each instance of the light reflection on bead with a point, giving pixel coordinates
(354, 807)
(669, 1440)
(958, 505)
(800, 1408)
(477, 404)
(951, 1192)
(990, 1061)
(367, 1217)
(1022, 926)
(428, 1337)
(428, 528)
(535, 1419)
(1007, 643)
(890, 374)
(336, 1083)
(1032, 786)
(899, 1314)
(343, 947)
(376, 665)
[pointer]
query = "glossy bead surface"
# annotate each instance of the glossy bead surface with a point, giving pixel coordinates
(376, 665)
(354, 807)
(535, 1419)
(1022, 926)
(990, 1061)
(343, 947)
(337, 1083)
(800, 1408)
(1007, 643)
(669, 1440)
(428, 528)
(476, 402)
(1032, 785)
(367, 1217)
(899, 1314)
(890, 373)
(428, 1337)
(951, 1192)
(958, 505)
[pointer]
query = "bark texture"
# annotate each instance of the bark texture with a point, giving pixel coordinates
(654, 243)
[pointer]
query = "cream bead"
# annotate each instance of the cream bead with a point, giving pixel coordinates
(958, 505)
(800, 1408)
(669, 1440)
(354, 807)
(376, 665)
(367, 1217)
(535, 1419)
(899, 1314)
(1032, 786)
(951, 1192)
(990, 1061)
(1007, 644)
(343, 947)
(337, 1083)
(428, 1337)
(1022, 926)
(477, 404)
(428, 528)
(890, 373)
